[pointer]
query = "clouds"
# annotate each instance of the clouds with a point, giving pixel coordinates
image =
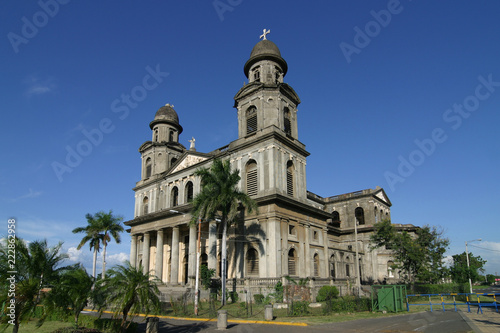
(37, 86)
(85, 257)
(29, 195)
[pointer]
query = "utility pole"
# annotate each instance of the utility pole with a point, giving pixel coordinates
(197, 278)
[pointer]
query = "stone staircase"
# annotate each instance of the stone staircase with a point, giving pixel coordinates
(168, 293)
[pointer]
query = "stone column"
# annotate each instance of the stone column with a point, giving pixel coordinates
(159, 254)
(133, 250)
(212, 245)
(174, 264)
(307, 259)
(274, 258)
(192, 254)
(145, 252)
(325, 247)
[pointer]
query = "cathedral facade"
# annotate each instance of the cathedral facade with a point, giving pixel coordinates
(295, 233)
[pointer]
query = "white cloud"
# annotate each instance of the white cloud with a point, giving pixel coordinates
(29, 195)
(37, 86)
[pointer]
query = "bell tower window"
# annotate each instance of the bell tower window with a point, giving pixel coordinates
(287, 122)
(251, 116)
(252, 180)
(149, 168)
(256, 75)
(289, 178)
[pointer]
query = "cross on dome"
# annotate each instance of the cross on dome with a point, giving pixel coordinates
(263, 36)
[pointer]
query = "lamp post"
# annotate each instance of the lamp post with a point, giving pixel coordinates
(468, 264)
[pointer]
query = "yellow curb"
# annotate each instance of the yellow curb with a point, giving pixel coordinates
(214, 319)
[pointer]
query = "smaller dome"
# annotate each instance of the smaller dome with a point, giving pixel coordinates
(166, 114)
(265, 50)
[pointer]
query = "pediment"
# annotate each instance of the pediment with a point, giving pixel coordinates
(383, 197)
(187, 161)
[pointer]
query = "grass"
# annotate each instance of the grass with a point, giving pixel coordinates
(47, 327)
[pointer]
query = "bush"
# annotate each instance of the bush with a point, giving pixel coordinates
(327, 293)
(259, 298)
(300, 308)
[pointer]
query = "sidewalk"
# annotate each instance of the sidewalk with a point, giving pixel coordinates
(488, 322)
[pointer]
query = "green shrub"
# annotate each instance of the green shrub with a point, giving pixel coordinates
(300, 308)
(278, 292)
(259, 298)
(327, 293)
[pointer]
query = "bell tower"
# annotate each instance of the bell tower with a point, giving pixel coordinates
(266, 101)
(159, 154)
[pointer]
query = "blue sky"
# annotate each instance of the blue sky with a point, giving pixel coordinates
(400, 94)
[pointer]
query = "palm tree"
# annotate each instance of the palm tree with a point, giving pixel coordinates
(71, 293)
(111, 227)
(220, 195)
(129, 290)
(93, 235)
(36, 266)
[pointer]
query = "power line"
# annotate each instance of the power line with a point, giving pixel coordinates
(483, 248)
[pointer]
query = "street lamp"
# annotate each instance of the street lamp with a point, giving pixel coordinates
(468, 264)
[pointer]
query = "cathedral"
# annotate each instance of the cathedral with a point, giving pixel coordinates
(295, 233)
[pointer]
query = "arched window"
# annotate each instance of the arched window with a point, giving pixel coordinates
(390, 269)
(189, 192)
(335, 216)
(287, 122)
(252, 181)
(145, 203)
(289, 178)
(175, 196)
(252, 262)
(256, 75)
(360, 215)
(292, 262)
(332, 266)
(316, 265)
(251, 115)
(149, 168)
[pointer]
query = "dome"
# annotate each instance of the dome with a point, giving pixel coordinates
(265, 50)
(166, 114)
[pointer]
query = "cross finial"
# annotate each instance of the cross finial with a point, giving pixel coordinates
(265, 32)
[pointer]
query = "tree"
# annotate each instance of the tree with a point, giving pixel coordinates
(111, 228)
(419, 257)
(36, 266)
(459, 271)
(220, 195)
(71, 293)
(100, 229)
(129, 290)
(93, 235)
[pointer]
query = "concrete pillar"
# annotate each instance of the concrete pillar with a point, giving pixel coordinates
(192, 254)
(159, 254)
(212, 245)
(145, 252)
(133, 250)
(174, 265)
(274, 257)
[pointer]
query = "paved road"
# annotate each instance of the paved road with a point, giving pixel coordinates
(432, 322)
